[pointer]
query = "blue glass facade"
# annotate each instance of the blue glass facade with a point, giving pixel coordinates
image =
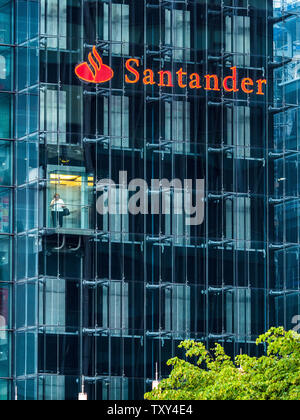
(100, 300)
(284, 200)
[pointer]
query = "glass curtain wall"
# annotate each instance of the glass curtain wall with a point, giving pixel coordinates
(284, 205)
(102, 299)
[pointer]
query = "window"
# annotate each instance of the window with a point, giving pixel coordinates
(178, 125)
(4, 337)
(53, 388)
(238, 312)
(175, 222)
(238, 220)
(5, 69)
(54, 22)
(5, 259)
(53, 114)
(53, 294)
(118, 33)
(178, 33)
(116, 120)
(4, 313)
(5, 211)
(5, 115)
(5, 22)
(238, 39)
(115, 306)
(177, 308)
(284, 42)
(5, 166)
(75, 188)
(116, 389)
(239, 131)
(116, 221)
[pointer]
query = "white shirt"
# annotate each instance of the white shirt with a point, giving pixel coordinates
(58, 205)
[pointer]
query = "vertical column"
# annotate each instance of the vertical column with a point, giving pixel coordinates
(26, 198)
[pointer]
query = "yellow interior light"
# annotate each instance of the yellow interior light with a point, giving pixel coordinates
(70, 180)
(67, 180)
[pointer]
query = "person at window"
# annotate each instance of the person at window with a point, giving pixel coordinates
(57, 209)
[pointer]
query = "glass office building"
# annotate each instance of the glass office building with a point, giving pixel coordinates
(103, 299)
(284, 202)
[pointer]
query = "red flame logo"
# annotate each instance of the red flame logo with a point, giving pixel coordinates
(94, 71)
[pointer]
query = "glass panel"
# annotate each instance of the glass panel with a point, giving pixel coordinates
(116, 299)
(238, 312)
(6, 65)
(4, 390)
(6, 22)
(5, 210)
(53, 114)
(178, 33)
(238, 39)
(5, 259)
(177, 309)
(5, 163)
(118, 33)
(4, 334)
(72, 189)
(54, 22)
(178, 125)
(116, 120)
(5, 115)
(54, 388)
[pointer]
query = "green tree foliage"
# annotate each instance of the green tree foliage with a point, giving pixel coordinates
(214, 376)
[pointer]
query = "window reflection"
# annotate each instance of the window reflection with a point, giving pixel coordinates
(53, 114)
(238, 39)
(5, 211)
(5, 22)
(61, 114)
(4, 324)
(5, 69)
(118, 32)
(175, 221)
(178, 33)
(115, 306)
(137, 281)
(5, 261)
(53, 294)
(177, 309)
(178, 125)
(238, 312)
(5, 116)
(117, 222)
(54, 388)
(5, 163)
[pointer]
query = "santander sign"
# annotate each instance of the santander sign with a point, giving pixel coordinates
(96, 72)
